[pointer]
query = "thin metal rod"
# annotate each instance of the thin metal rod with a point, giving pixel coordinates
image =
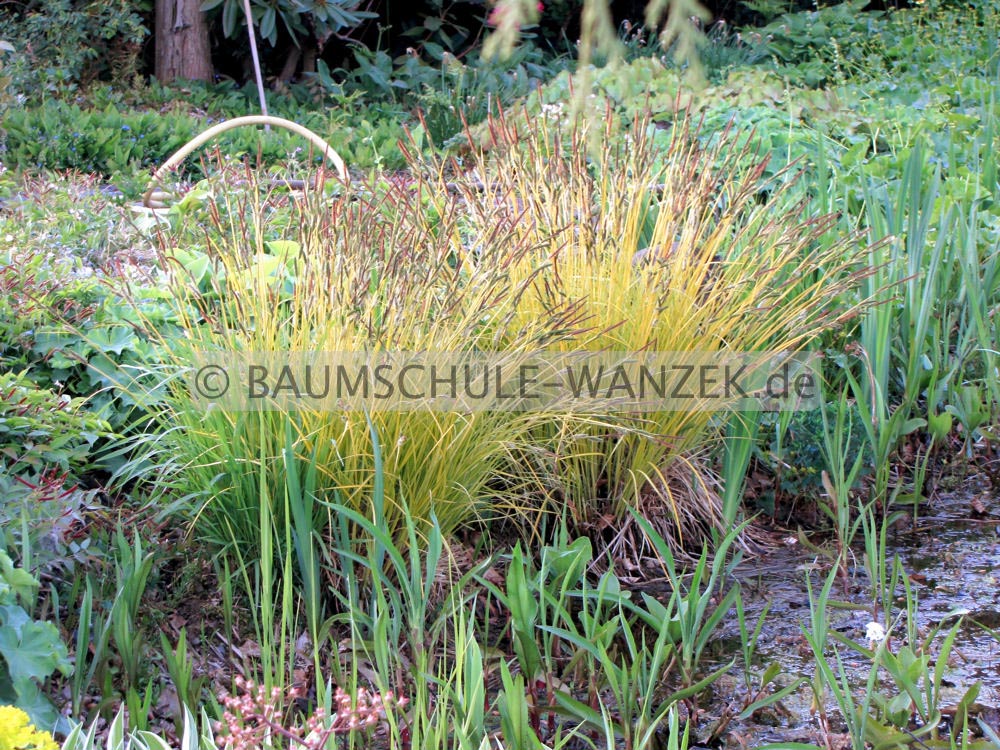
(256, 62)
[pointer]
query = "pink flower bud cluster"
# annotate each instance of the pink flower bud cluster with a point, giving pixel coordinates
(364, 710)
(252, 719)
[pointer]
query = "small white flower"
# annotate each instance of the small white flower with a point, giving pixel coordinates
(790, 541)
(875, 633)
(553, 111)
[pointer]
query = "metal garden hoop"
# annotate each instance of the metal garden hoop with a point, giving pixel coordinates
(153, 198)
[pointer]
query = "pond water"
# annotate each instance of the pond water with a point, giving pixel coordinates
(953, 562)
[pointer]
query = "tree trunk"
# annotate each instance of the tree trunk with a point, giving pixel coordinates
(309, 57)
(182, 42)
(291, 65)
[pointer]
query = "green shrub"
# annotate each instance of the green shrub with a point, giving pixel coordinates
(40, 429)
(6, 94)
(63, 44)
(448, 92)
(39, 295)
(65, 136)
(118, 144)
(69, 332)
(794, 453)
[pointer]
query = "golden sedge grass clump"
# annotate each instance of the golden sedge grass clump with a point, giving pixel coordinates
(661, 244)
(646, 245)
(372, 268)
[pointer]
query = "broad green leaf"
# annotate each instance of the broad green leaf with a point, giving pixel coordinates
(35, 652)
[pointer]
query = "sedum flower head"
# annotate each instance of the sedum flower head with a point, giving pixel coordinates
(18, 733)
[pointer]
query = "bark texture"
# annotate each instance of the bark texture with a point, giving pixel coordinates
(182, 50)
